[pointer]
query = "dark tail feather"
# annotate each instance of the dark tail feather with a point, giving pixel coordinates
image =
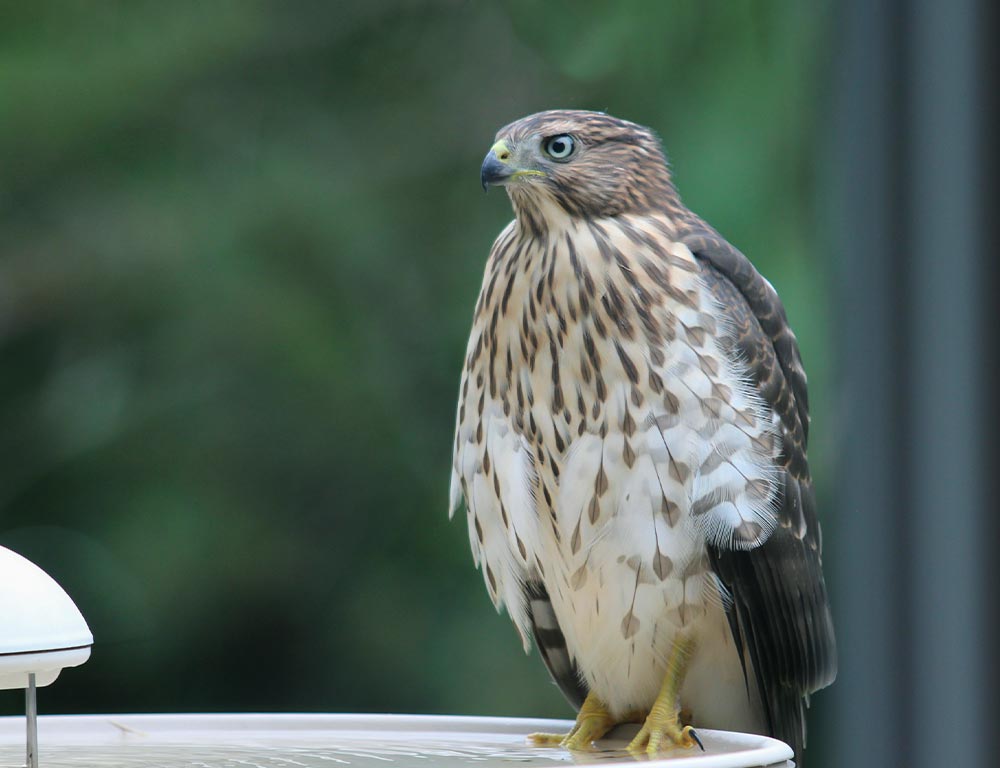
(552, 644)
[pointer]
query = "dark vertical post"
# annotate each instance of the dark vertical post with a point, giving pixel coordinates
(910, 548)
(988, 291)
(946, 516)
(862, 545)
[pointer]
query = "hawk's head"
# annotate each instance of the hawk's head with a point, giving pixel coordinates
(588, 163)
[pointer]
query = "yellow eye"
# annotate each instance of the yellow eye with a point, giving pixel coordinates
(559, 147)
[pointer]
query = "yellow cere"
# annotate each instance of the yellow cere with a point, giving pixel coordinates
(501, 150)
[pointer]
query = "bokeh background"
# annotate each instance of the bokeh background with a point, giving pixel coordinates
(240, 244)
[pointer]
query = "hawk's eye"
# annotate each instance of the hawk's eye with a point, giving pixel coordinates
(559, 147)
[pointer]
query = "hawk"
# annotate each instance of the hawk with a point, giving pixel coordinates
(631, 448)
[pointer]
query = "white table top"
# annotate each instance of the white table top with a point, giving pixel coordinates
(310, 741)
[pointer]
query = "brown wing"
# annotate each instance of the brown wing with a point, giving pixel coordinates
(780, 613)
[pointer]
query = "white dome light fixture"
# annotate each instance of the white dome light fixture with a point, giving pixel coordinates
(41, 633)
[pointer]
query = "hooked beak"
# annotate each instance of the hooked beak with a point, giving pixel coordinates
(496, 167)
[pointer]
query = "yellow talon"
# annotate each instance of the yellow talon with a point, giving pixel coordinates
(652, 738)
(663, 726)
(546, 739)
(592, 723)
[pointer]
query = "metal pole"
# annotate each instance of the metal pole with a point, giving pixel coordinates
(866, 565)
(912, 562)
(949, 505)
(31, 711)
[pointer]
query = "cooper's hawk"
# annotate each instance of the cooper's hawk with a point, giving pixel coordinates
(631, 448)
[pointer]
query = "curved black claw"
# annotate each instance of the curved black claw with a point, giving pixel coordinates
(697, 741)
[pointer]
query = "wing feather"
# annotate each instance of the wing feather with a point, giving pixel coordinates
(780, 612)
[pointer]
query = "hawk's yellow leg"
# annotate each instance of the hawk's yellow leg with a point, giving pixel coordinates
(592, 722)
(663, 725)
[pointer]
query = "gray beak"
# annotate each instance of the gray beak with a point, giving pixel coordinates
(493, 171)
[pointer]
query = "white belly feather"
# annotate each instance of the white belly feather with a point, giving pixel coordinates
(609, 491)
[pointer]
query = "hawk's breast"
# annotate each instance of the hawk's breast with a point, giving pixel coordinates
(603, 438)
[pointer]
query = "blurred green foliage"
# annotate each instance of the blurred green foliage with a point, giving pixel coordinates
(240, 243)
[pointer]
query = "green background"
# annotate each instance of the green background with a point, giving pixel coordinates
(240, 244)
